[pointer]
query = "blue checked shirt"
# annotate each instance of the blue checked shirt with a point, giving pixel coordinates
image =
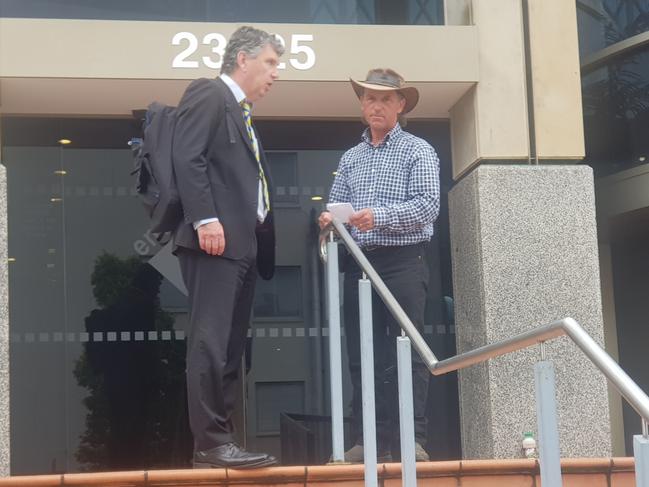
(398, 180)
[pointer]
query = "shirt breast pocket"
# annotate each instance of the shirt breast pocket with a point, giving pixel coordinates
(358, 178)
(392, 184)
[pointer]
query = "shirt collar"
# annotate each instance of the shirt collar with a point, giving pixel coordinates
(392, 134)
(236, 90)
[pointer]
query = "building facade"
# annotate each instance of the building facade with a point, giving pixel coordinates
(535, 108)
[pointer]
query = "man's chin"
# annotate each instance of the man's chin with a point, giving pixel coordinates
(263, 92)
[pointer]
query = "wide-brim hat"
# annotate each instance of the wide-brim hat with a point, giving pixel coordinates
(387, 80)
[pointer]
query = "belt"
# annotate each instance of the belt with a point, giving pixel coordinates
(371, 248)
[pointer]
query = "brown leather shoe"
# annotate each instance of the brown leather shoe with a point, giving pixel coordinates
(231, 455)
(421, 455)
(356, 454)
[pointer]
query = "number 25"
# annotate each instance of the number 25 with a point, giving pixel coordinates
(296, 48)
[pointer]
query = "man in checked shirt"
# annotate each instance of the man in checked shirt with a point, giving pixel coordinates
(391, 179)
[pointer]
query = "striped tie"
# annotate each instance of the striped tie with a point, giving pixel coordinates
(255, 146)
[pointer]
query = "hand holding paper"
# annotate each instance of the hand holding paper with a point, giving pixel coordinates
(363, 219)
(341, 211)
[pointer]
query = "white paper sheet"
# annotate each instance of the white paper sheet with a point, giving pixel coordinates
(342, 211)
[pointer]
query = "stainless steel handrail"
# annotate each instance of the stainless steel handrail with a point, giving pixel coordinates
(382, 290)
(567, 326)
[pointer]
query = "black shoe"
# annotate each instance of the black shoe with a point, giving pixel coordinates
(231, 455)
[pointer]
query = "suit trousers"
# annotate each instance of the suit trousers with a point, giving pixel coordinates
(405, 273)
(221, 293)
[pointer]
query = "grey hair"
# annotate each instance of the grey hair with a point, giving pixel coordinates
(250, 41)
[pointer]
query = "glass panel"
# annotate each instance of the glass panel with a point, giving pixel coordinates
(616, 114)
(275, 398)
(287, 11)
(99, 319)
(628, 235)
(425, 12)
(283, 166)
(606, 22)
(97, 364)
(281, 297)
(38, 327)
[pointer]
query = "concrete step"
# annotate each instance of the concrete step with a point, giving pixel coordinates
(578, 472)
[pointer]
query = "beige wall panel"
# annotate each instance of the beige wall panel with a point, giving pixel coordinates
(457, 12)
(144, 50)
(464, 133)
(501, 94)
(556, 79)
(500, 108)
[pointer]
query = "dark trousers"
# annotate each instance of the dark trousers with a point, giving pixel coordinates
(221, 292)
(405, 272)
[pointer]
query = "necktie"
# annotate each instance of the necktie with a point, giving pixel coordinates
(255, 146)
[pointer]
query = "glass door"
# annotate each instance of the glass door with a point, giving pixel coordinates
(98, 317)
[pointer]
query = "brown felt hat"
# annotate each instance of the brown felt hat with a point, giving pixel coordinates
(387, 80)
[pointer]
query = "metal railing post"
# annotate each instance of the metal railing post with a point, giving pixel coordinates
(406, 414)
(367, 381)
(335, 354)
(546, 417)
(641, 454)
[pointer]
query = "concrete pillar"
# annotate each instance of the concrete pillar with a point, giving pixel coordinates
(4, 329)
(524, 251)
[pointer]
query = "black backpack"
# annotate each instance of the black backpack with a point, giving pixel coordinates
(154, 173)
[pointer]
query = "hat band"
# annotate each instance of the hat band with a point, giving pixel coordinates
(383, 80)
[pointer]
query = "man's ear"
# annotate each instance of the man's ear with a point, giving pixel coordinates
(402, 104)
(242, 60)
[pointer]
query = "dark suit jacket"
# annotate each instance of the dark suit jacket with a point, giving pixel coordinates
(217, 173)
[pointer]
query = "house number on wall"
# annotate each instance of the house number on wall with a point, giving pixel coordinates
(302, 56)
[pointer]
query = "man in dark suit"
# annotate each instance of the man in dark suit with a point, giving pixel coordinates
(227, 235)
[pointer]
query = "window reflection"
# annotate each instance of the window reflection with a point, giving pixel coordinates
(134, 383)
(283, 166)
(281, 297)
(427, 12)
(275, 398)
(606, 22)
(616, 114)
